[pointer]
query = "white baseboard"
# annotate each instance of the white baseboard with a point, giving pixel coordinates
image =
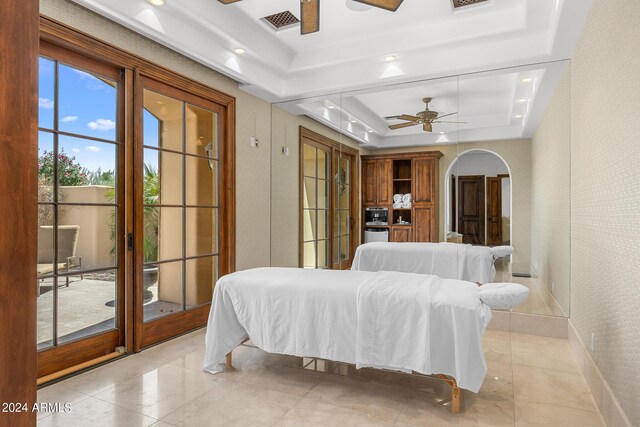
(607, 402)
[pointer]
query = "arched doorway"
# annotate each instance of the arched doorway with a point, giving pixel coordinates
(478, 199)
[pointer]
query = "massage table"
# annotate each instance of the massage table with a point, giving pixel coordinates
(447, 260)
(412, 323)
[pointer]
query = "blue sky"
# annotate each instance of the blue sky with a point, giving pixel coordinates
(87, 106)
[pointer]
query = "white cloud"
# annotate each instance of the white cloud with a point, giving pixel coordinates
(45, 103)
(75, 150)
(103, 125)
(93, 149)
(69, 119)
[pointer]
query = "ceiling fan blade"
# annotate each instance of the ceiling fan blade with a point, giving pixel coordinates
(309, 16)
(445, 115)
(445, 121)
(391, 5)
(402, 125)
(228, 1)
(408, 117)
(427, 127)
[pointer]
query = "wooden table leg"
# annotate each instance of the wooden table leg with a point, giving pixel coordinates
(455, 399)
(229, 360)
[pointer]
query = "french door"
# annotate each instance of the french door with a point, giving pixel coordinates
(81, 210)
(136, 202)
(177, 235)
(328, 202)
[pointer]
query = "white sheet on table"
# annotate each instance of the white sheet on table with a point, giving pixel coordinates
(447, 260)
(328, 314)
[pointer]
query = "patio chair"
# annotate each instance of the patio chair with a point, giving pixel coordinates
(67, 244)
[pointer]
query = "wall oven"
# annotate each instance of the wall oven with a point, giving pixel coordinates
(376, 216)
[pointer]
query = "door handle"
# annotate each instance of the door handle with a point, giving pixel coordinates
(130, 241)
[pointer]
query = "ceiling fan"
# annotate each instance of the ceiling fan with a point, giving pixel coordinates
(424, 118)
(310, 11)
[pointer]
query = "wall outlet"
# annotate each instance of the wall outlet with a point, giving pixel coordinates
(285, 151)
(253, 141)
(593, 342)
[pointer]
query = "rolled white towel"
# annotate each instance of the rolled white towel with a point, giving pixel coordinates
(405, 205)
(397, 205)
(406, 197)
(503, 296)
(397, 198)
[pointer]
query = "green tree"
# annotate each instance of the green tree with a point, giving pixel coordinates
(70, 172)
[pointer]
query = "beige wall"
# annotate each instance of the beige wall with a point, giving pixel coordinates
(285, 186)
(551, 194)
(605, 194)
(517, 155)
(94, 238)
(253, 187)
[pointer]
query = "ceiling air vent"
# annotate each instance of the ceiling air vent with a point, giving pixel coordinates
(282, 19)
(461, 3)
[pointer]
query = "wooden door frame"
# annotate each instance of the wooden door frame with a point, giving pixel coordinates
(134, 67)
(480, 178)
(66, 355)
(487, 200)
(18, 201)
(160, 329)
(331, 146)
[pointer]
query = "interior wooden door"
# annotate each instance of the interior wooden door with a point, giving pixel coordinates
(454, 214)
(471, 213)
(494, 211)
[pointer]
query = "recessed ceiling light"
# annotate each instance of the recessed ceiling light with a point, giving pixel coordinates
(370, 131)
(156, 2)
(331, 107)
(441, 133)
(519, 116)
(239, 50)
(527, 79)
(390, 58)
(353, 121)
(522, 100)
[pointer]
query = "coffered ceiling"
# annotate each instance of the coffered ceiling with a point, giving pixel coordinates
(362, 50)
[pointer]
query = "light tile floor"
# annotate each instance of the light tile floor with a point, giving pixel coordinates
(532, 381)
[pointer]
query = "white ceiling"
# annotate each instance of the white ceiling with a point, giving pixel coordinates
(500, 104)
(429, 39)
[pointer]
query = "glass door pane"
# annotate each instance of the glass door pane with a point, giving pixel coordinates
(180, 203)
(315, 207)
(342, 212)
(79, 274)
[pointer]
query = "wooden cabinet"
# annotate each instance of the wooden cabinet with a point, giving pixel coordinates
(424, 178)
(425, 224)
(401, 234)
(415, 173)
(377, 184)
